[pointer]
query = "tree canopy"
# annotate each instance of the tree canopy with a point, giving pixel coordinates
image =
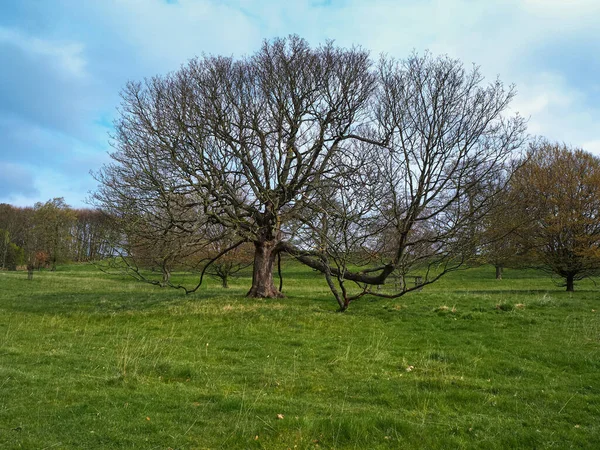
(558, 191)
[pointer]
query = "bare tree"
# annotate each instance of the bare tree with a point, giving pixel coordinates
(498, 240)
(230, 264)
(154, 234)
(444, 140)
(265, 145)
(90, 235)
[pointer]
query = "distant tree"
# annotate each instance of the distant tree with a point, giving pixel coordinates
(163, 237)
(91, 234)
(500, 249)
(498, 234)
(558, 189)
(4, 243)
(53, 223)
(229, 263)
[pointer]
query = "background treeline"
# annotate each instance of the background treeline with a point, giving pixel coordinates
(547, 217)
(50, 233)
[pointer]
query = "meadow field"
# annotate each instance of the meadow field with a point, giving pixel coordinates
(92, 361)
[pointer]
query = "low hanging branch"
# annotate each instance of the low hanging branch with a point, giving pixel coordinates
(135, 272)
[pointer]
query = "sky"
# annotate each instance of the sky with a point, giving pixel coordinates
(64, 62)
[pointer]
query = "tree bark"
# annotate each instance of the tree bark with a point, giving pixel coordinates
(166, 274)
(498, 272)
(166, 277)
(570, 283)
(262, 275)
(30, 268)
(224, 279)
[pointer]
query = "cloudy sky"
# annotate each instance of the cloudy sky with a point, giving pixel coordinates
(63, 63)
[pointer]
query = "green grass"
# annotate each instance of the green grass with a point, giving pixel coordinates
(92, 361)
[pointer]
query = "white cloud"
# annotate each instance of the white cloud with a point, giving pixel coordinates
(16, 180)
(592, 147)
(165, 35)
(562, 9)
(68, 56)
(557, 111)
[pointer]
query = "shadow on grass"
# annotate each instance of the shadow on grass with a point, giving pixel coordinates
(522, 291)
(101, 303)
(145, 299)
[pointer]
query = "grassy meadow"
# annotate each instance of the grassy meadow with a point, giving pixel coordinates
(91, 361)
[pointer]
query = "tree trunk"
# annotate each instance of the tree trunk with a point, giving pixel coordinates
(224, 279)
(262, 275)
(30, 268)
(166, 275)
(498, 272)
(5, 253)
(570, 283)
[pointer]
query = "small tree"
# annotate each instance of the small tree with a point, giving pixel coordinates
(558, 189)
(498, 239)
(230, 264)
(165, 239)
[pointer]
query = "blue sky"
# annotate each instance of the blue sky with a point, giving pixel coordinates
(63, 63)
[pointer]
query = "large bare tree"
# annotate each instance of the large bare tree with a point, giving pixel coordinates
(317, 152)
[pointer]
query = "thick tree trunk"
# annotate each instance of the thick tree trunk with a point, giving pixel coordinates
(262, 275)
(225, 283)
(498, 272)
(570, 283)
